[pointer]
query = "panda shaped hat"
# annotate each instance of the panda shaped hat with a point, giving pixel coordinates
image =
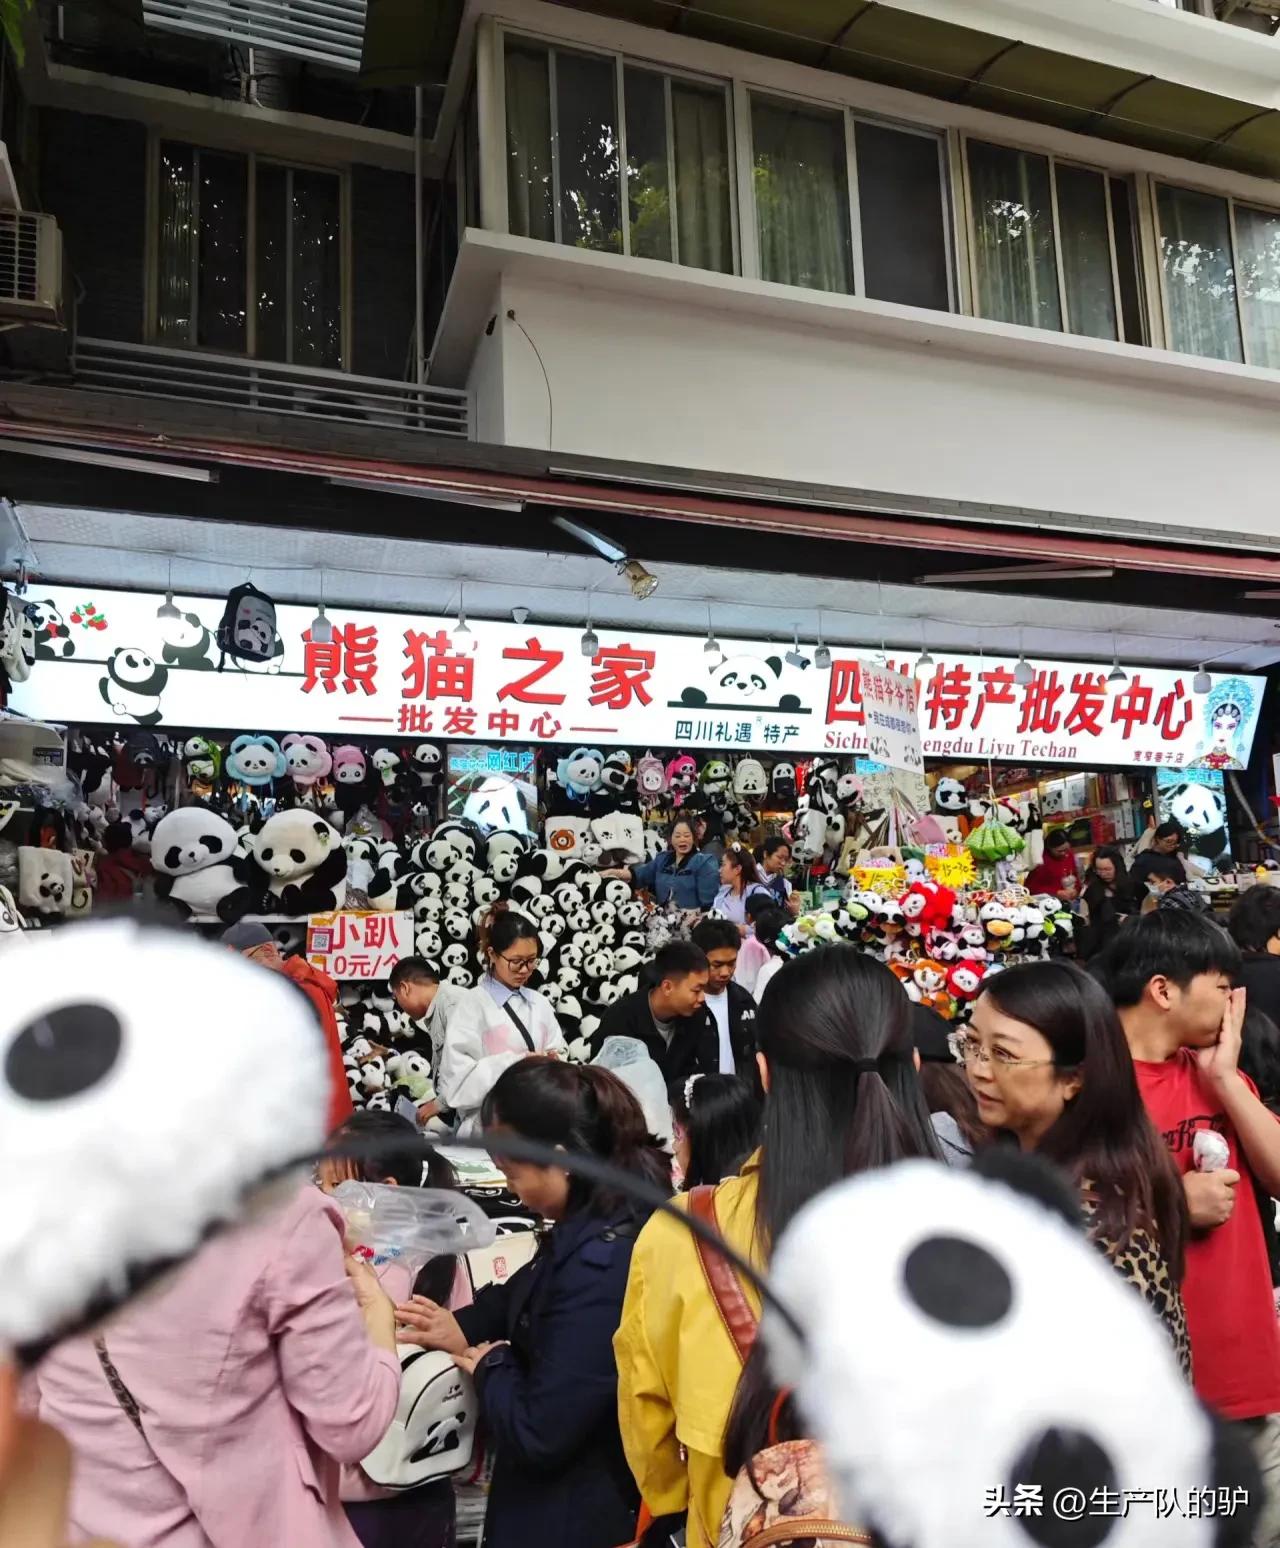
(115, 1170)
(976, 1351)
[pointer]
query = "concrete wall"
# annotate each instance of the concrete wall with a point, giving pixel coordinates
(93, 178)
(660, 366)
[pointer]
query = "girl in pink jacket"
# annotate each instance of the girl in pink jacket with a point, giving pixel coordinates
(233, 1394)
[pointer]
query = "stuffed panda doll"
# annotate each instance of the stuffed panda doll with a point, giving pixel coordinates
(192, 851)
(296, 866)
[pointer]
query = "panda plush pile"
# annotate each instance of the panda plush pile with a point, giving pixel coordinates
(192, 852)
(296, 865)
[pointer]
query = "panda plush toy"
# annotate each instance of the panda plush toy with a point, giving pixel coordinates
(971, 1282)
(192, 850)
(296, 866)
(1201, 812)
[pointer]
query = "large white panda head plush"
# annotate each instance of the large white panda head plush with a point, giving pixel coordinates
(293, 844)
(1196, 808)
(1008, 1359)
(191, 839)
(124, 1169)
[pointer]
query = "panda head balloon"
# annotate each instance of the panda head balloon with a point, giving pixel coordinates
(116, 1170)
(987, 1380)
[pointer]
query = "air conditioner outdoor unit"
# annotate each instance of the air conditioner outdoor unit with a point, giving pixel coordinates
(30, 265)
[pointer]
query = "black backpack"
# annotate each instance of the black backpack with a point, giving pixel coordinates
(247, 631)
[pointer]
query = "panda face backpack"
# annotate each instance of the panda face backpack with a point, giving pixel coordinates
(433, 1433)
(247, 631)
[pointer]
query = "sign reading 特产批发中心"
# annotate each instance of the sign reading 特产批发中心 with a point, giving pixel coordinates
(891, 713)
(402, 677)
(362, 946)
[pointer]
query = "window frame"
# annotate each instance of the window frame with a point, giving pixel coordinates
(852, 118)
(1080, 165)
(621, 61)
(1232, 202)
(252, 158)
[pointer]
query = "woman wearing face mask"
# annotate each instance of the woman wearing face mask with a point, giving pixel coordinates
(682, 874)
(1047, 1060)
(499, 1022)
(541, 1346)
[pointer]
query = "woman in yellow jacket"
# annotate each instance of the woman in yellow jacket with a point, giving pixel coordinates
(836, 1057)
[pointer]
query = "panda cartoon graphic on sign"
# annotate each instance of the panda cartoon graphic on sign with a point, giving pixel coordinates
(133, 685)
(742, 683)
(188, 644)
(53, 638)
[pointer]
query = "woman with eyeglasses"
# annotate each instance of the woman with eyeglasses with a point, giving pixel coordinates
(499, 1022)
(1047, 1062)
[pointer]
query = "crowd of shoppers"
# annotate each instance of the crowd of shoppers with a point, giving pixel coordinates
(238, 1404)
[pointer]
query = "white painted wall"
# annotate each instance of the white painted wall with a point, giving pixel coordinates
(659, 365)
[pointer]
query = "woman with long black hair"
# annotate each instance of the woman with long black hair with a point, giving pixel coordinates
(540, 1345)
(1109, 898)
(1046, 1058)
(843, 1096)
(716, 1126)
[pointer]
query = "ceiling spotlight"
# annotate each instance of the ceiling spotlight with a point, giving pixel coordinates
(461, 626)
(925, 661)
(1117, 674)
(1024, 673)
(712, 646)
(794, 657)
(642, 583)
(520, 614)
(590, 642)
(321, 630)
(1201, 682)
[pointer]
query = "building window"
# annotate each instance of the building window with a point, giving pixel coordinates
(617, 158)
(258, 275)
(874, 225)
(1220, 263)
(1052, 245)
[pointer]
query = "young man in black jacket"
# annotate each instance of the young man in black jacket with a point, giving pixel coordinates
(732, 1009)
(668, 1015)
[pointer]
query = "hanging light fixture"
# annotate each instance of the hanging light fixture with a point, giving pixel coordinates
(461, 626)
(590, 641)
(712, 645)
(1201, 682)
(925, 660)
(321, 630)
(169, 616)
(1023, 673)
(821, 656)
(794, 657)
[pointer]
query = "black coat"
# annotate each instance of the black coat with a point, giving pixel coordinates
(695, 1047)
(549, 1400)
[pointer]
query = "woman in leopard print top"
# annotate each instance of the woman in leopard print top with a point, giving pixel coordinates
(1047, 1060)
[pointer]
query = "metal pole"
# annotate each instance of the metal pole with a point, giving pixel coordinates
(419, 257)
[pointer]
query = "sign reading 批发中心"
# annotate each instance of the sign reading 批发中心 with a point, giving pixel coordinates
(402, 677)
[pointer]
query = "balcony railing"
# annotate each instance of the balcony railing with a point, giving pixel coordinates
(229, 381)
(329, 32)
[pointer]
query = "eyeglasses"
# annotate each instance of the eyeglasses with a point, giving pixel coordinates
(522, 964)
(968, 1050)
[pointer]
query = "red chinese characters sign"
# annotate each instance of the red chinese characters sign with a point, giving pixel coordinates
(359, 946)
(394, 677)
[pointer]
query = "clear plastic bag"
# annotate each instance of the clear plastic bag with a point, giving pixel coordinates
(387, 1224)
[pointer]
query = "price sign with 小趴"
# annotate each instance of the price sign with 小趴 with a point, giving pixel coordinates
(362, 946)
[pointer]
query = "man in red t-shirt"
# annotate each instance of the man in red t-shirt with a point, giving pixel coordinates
(1171, 974)
(1058, 873)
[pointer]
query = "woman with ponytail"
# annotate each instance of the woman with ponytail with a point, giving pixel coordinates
(540, 1345)
(835, 1058)
(499, 1022)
